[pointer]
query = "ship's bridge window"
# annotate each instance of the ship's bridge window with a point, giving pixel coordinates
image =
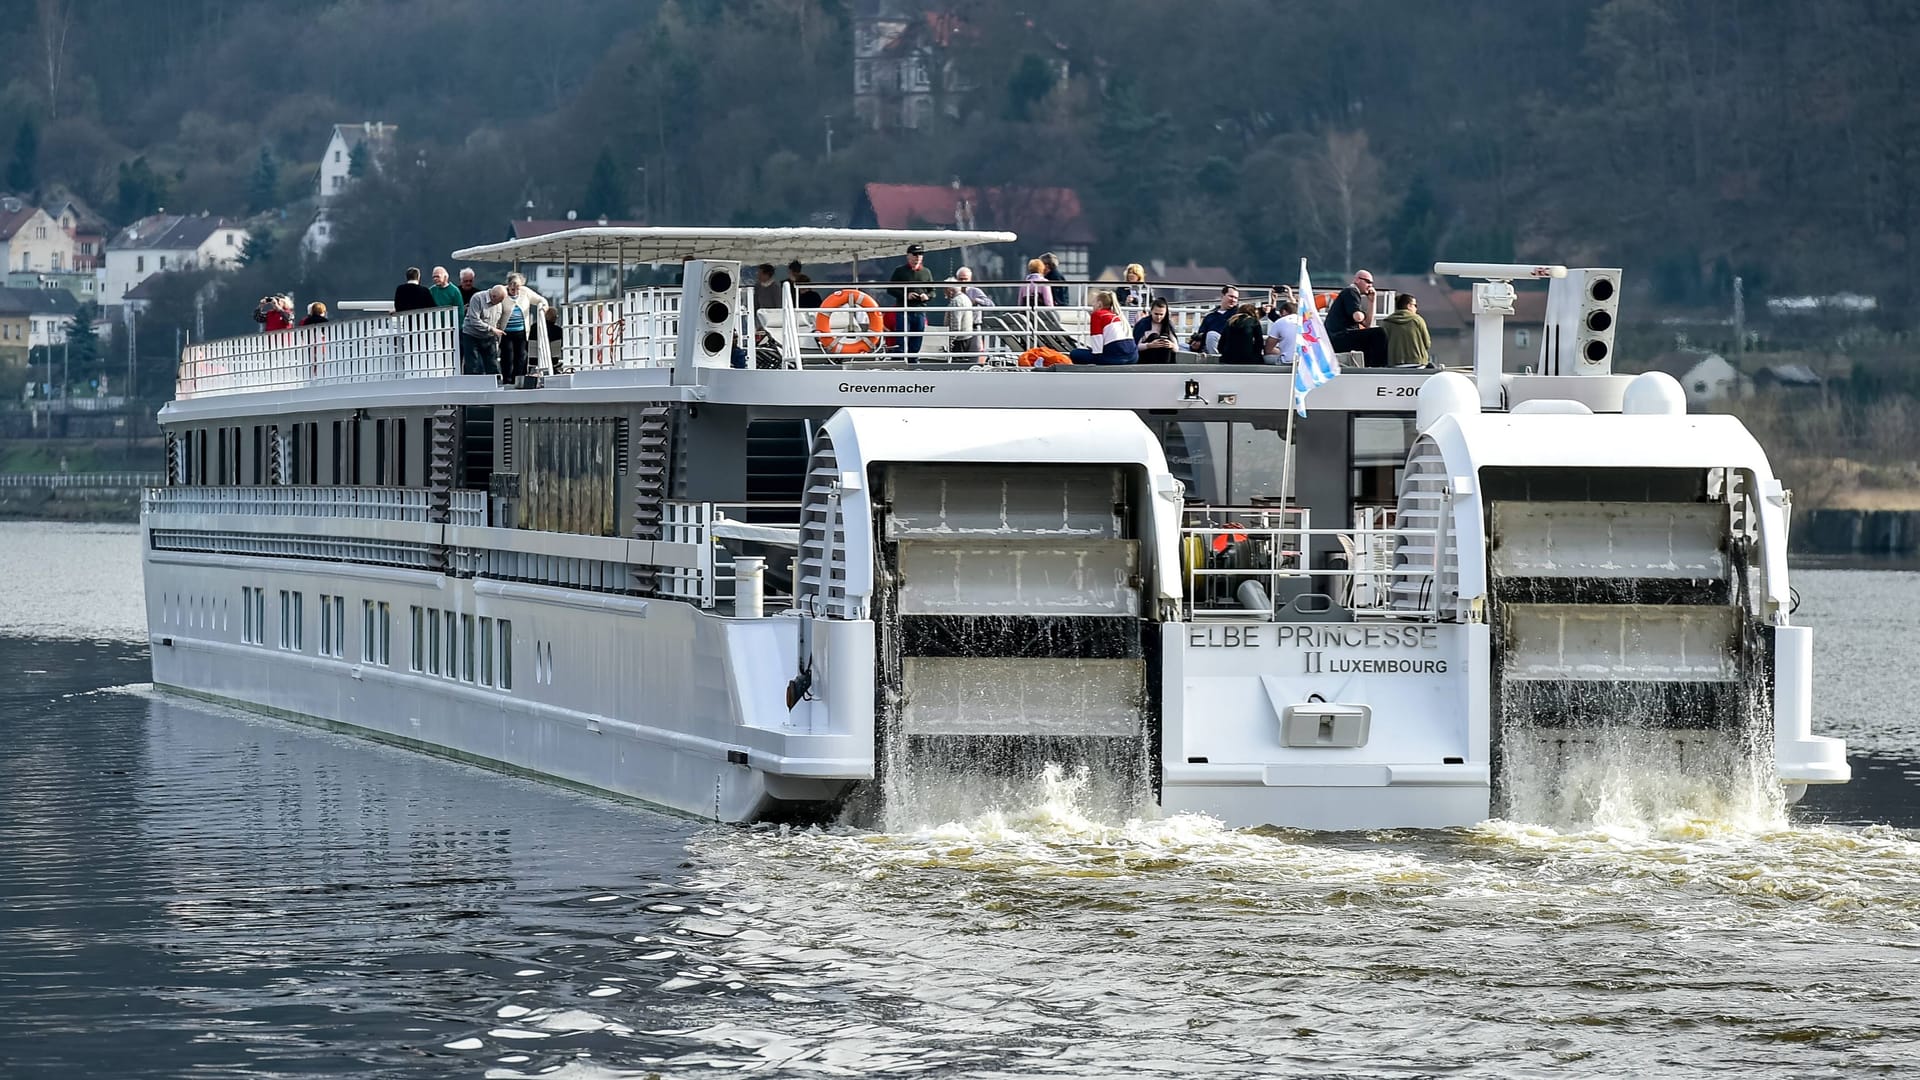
(1380, 445)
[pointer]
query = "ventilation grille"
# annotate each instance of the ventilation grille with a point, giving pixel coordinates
(622, 449)
(650, 477)
(506, 444)
(822, 587)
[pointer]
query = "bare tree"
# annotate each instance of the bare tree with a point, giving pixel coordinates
(1338, 185)
(56, 17)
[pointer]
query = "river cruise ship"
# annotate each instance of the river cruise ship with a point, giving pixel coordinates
(741, 560)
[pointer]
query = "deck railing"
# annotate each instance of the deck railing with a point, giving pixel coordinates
(415, 344)
(83, 481)
(641, 329)
(1226, 550)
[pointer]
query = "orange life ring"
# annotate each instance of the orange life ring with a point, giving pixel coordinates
(823, 323)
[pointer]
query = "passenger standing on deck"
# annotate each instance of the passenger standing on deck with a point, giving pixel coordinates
(963, 323)
(479, 337)
(1035, 292)
(467, 287)
(316, 314)
(1408, 341)
(411, 295)
(1133, 291)
(913, 323)
(516, 314)
(766, 290)
(974, 293)
(445, 293)
(1051, 267)
(797, 277)
(1350, 322)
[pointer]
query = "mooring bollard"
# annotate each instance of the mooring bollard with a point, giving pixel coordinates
(749, 586)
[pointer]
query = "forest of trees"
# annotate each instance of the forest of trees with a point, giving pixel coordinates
(1687, 140)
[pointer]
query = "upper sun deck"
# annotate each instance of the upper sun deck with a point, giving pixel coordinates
(822, 343)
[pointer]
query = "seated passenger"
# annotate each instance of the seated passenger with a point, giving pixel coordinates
(1283, 333)
(1107, 335)
(1205, 339)
(1155, 335)
(1408, 341)
(1243, 342)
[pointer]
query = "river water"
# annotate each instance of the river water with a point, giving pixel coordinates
(189, 891)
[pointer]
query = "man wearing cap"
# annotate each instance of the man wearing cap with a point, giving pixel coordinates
(913, 324)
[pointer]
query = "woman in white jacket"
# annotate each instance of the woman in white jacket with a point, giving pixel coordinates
(518, 314)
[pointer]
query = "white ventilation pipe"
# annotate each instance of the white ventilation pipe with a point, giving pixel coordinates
(749, 586)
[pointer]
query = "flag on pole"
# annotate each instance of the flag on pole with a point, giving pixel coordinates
(1313, 362)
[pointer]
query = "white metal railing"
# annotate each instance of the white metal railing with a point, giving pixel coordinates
(638, 328)
(716, 530)
(362, 503)
(82, 480)
(414, 344)
(1223, 550)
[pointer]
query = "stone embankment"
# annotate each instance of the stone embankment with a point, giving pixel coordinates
(75, 496)
(1856, 532)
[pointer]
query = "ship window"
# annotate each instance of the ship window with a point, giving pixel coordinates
(260, 616)
(326, 625)
(339, 606)
(400, 452)
(380, 451)
(1380, 445)
(290, 619)
(1256, 463)
(506, 654)
(433, 641)
(366, 631)
(384, 624)
(414, 660)
(453, 648)
(259, 454)
(248, 626)
(466, 648)
(486, 651)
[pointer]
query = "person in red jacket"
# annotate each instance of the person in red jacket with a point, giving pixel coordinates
(279, 314)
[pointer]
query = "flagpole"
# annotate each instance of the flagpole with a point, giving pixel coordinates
(1293, 409)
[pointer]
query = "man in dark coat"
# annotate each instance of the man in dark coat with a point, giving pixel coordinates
(912, 324)
(411, 295)
(1350, 322)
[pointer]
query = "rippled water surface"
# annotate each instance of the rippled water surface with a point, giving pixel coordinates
(188, 891)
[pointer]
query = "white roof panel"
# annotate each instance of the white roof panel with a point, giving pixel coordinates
(613, 244)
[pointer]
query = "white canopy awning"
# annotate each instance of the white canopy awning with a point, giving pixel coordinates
(611, 244)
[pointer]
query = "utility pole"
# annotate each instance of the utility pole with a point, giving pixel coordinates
(1739, 320)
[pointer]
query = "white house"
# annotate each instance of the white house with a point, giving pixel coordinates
(30, 239)
(162, 242)
(1705, 376)
(371, 138)
(336, 165)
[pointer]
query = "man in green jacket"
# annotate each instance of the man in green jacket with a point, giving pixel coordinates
(1407, 339)
(445, 292)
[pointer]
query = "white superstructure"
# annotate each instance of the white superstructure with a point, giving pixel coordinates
(764, 591)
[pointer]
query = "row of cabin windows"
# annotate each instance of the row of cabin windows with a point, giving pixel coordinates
(229, 456)
(461, 647)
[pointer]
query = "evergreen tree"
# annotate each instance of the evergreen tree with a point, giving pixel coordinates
(83, 345)
(1031, 83)
(23, 172)
(1416, 229)
(139, 190)
(606, 195)
(357, 161)
(259, 247)
(263, 188)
